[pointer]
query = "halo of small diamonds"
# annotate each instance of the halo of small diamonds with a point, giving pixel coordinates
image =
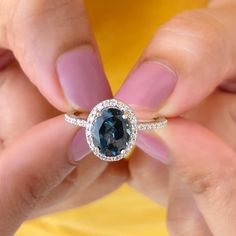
(96, 113)
(111, 128)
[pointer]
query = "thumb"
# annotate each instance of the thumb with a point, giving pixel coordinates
(206, 166)
(54, 45)
(185, 61)
(30, 168)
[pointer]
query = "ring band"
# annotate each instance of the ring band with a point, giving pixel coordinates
(157, 123)
(111, 129)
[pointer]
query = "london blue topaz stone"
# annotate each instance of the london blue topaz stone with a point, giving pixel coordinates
(111, 132)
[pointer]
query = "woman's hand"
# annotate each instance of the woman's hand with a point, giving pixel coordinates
(41, 170)
(198, 182)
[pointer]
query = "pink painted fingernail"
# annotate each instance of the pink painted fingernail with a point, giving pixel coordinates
(148, 86)
(82, 78)
(79, 147)
(153, 146)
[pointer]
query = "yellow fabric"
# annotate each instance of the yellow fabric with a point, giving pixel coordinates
(122, 28)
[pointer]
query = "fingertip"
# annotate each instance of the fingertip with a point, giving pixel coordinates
(82, 78)
(147, 87)
(79, 148)
(151, 144)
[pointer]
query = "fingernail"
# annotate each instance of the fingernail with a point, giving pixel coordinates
(148, 86)
(153, 146)
(82, 78)
(79, 147)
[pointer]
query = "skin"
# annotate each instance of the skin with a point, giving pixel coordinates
(198, 185)
(50, 181)
(195, 182)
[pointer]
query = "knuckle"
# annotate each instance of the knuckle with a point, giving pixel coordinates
(213, 183)
(194, 34)
(46, 21)
(20, 197)
(33, 190)
(43, 14)
(35, 186)
(200, 183)
(24, 190)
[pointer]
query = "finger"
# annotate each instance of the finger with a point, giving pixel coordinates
(207, 166)
(184, 217)
(53, 42)
(68, 193)
(149, 176)
(220, 118)
(21, 105)
(108, 180)
(185, 61)
(31, 167)
(217, 3)
(145, 172)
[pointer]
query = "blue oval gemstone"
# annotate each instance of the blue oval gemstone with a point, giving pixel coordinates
(111, 132)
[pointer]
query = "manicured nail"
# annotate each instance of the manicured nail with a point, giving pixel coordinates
(82, 78)
(148, 86)
(79, 147)
(153, 146)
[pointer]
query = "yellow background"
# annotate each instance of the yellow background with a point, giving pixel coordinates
(122, 28)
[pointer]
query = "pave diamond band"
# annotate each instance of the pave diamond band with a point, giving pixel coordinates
(157, 123)
(111, 129)
(74, 120)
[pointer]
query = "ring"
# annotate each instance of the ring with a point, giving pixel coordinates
(111, 129)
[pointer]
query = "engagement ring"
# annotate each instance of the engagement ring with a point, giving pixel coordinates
(111, 129)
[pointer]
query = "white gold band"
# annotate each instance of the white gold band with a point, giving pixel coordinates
(74, 120)
(158, 123)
